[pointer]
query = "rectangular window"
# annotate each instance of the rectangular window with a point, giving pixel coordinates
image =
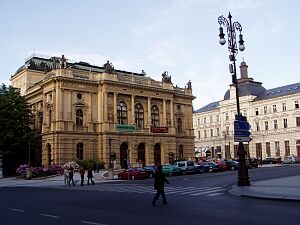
(298, 121)
(275, 124)
(287, 148)
(285, 123)
(266, 125)
(277, 149)
(205, 134)
(198, 121)
(296, 104)
(211, 119)
(218, 132)
(274, 108)
(265, 109)
(199, 134)
(257, 127)
(256, 111)
(227, 130)
(211, 132)
(218, 118)
(245, 113)
(204, 120)
(283, 106)
(268, 149)
(226, 117)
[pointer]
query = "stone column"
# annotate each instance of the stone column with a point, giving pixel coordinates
(132, 109)
(164, 123)
(172, 112)
(105, 106)
(149, 112)
(115, 119)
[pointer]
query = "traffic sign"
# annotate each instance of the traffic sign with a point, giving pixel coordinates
(241, 133)
(242, 139)
(241, 125)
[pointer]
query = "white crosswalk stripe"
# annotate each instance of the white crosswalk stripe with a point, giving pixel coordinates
(193, 191)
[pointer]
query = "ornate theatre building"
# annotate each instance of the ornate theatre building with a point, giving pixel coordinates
(100, 113)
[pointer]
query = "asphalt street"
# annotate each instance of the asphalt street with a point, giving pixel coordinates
(193, 199)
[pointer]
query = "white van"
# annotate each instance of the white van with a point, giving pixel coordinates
(186, 166)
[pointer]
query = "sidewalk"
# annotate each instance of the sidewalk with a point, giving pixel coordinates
(286, 188)
(53, 181)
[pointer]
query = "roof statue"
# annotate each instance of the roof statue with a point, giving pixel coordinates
(144, 73)
(189, 85)
(166, 78)
(63, 62)
(108, 67)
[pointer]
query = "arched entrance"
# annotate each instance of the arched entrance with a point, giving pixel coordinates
(141, 153)
(124, 155)
(171, 158)
(48, 152)
(298, 147)
(157, 155)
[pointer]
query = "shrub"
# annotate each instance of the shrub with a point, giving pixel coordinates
(40, 171)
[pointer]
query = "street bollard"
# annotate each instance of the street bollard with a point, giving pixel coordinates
(110, 173)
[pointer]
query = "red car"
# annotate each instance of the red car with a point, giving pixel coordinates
(133, 173)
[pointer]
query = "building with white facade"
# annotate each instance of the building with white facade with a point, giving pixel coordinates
(274, 116)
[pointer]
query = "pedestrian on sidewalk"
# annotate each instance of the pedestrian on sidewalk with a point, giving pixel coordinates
(159, 184)
(66, 176)
(90, 176)
(71, 176)
(82, 172)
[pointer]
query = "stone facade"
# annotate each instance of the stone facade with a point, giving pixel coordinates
(100, 113)
(274, 116)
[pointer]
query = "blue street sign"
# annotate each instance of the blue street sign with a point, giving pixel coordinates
(241, 133)
(241, 125)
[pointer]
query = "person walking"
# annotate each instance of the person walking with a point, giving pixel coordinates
(82, 172)
(66, 176)
(71, 176)
(90, 176)
(159, 185)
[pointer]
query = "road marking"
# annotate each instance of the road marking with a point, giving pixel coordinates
(214, 194)
(18, 210)
(48, 215)
(207, 192)
(93, 223)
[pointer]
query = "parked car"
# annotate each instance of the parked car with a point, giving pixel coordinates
(233, 164)
(186, 166)
(150, 170)
(290, 159)
(170, 169)
(133, 173)
(198, 168)
(252, 163)
(271, 160)
(224, 165)
(210, 167)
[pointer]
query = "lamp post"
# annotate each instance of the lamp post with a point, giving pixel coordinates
(29, 169)
(243, 178)
(110, 168)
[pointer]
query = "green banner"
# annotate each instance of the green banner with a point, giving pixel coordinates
(125, 128)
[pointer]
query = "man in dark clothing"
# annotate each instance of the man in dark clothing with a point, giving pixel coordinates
(159, 184)
(90, 176)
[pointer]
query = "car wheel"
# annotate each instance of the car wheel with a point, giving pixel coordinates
(232, 168)
(150, 175)
(132, 177)
(170, 174)
(210, 170)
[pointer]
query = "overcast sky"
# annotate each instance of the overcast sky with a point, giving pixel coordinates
(178, 36)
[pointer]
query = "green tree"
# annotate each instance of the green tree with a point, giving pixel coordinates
(15, 131)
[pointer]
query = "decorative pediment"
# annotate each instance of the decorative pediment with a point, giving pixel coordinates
(274, 116)
(284, 115)
(296, 113)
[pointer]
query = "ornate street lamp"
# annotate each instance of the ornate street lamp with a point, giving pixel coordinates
(243, 178)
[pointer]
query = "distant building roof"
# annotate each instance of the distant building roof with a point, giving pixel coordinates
(279, 91)
(209, 107)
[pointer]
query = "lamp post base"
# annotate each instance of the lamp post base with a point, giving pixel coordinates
(110, 173)
(243, 177)
(29, 173)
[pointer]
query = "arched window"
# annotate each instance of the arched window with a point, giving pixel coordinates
(139, 116)
(155, 116)
(122, 113)
(79, 151)
(179, 125)
(79, 117)
(180, 152)
(50, 119)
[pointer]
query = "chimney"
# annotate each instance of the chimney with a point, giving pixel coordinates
(244, 70)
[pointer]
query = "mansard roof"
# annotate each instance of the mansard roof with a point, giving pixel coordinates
(279, 91)
(47, 64)
(211, 106)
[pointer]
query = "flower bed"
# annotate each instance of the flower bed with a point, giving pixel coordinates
(40, 171)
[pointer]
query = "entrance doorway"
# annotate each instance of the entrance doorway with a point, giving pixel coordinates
(298, 147)
(157, 155)
(141, 153)
(124, 155)
(49, 152)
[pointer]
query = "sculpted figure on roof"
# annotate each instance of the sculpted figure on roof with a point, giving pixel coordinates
(166, 78)
(108, 67)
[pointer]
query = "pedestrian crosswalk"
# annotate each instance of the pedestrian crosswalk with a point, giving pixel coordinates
(170, 190)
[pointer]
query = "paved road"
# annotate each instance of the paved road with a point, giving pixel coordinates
(199, 199)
